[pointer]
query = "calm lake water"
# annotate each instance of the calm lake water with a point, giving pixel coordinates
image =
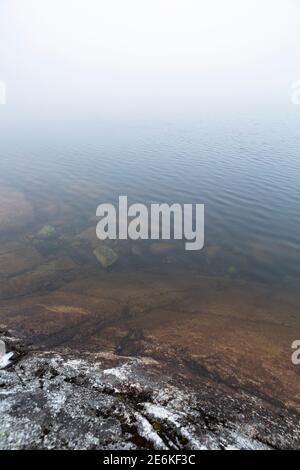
(244, 167)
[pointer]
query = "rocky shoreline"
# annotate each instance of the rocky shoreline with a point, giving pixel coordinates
(68, 400)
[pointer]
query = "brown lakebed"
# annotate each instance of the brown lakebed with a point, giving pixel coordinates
(231, 331)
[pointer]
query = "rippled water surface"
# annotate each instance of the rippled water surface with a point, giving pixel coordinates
(245, 169)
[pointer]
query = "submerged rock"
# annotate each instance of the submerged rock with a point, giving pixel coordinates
(16, 258)
(162, 248)
(103, 401)
(89, 235)
(105, 255)
(47, 276)
(15, 211)
(47, 232)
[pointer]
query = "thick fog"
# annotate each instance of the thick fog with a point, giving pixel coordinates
(77, 59)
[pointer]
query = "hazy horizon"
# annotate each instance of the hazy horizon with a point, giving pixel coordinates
(67, 61)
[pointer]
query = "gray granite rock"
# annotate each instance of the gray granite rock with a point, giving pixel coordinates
(63, 400)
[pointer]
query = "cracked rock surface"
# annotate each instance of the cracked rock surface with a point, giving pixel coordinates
(63, 400)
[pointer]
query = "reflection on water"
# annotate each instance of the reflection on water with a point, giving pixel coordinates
(232, 307)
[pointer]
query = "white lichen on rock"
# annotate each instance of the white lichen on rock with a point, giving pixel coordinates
(84, 401)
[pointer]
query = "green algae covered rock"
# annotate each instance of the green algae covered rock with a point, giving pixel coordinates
(105, 255)
(232, 270)
(48, 231)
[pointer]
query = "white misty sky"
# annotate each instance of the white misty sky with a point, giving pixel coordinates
(161, 52)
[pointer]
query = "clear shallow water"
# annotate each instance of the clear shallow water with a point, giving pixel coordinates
(244, 168)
